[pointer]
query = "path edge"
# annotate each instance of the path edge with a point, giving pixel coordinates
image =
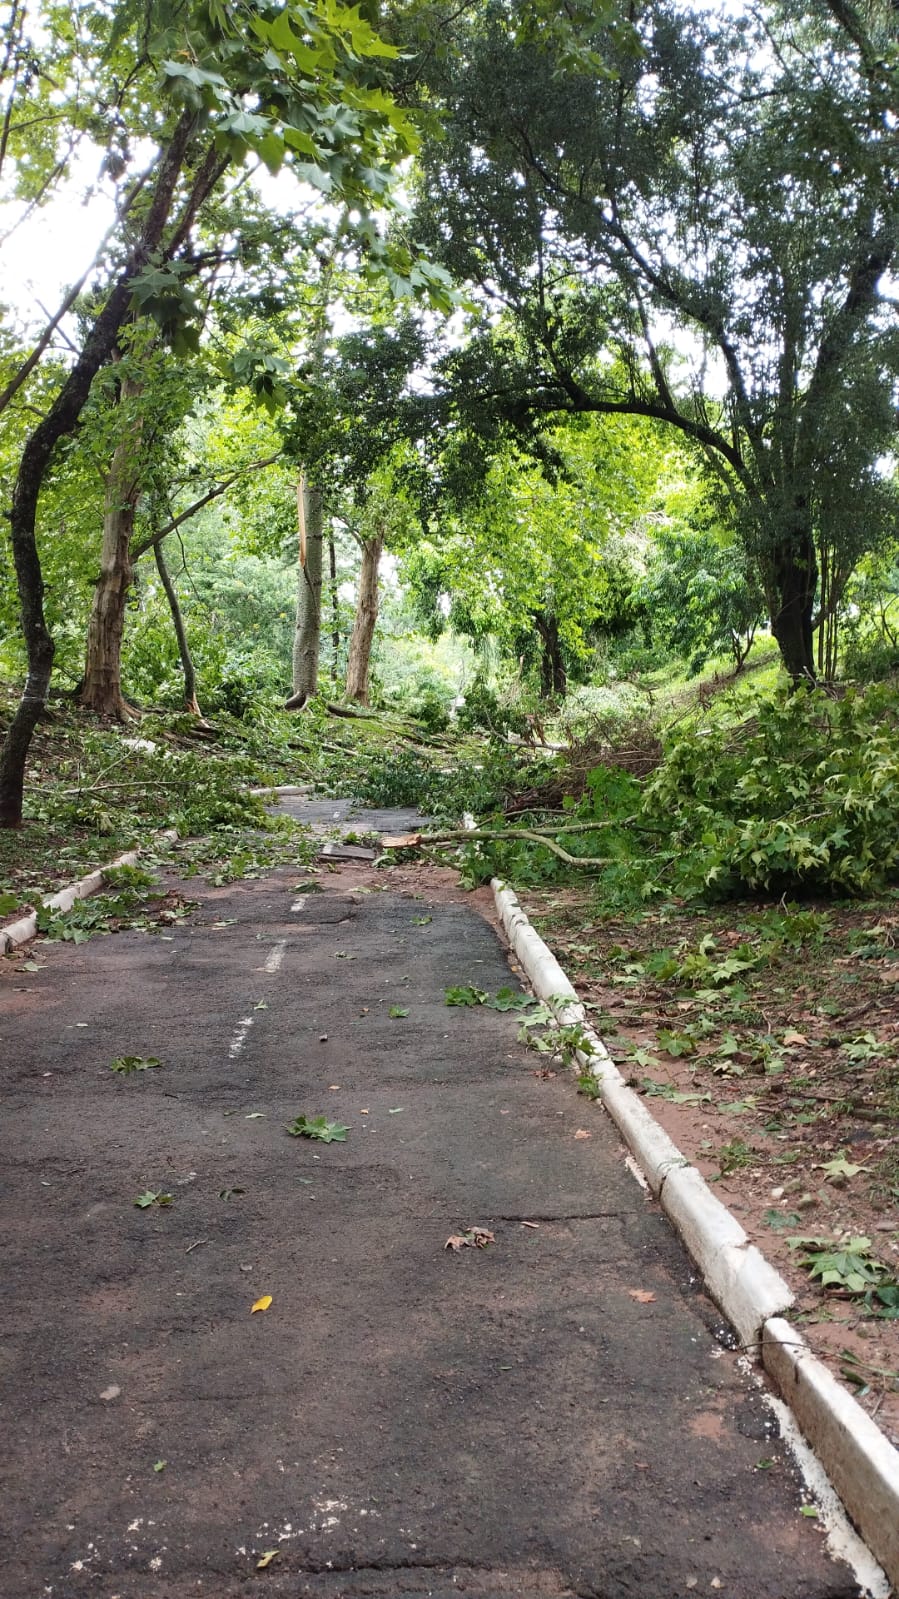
(857, 1456)
(12, 934)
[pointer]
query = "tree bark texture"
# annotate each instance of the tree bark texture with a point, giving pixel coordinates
(187, 665)
(307, 634)
(794, 581)
(553, 677)
(335, 609)
(364, 623)
(59, 421)
(102, 684)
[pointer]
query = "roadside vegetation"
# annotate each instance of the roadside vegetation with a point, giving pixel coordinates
(475, 475)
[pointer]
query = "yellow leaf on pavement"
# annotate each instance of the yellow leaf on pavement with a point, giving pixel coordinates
(262, 1304)
(270, 1554)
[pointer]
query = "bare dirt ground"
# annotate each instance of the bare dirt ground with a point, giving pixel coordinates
(770, 1053)
(556, 1414)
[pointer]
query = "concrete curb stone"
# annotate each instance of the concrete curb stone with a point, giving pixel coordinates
(19, 932)
(861, 1463)
(858, 1457)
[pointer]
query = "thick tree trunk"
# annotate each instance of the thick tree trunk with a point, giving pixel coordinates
(102, 684)
(364, 623)
(307, 634)
(59, 421)
(553, 677)
(187, 664)
(795, 577)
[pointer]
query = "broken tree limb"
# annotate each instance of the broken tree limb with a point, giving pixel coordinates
(463, 835)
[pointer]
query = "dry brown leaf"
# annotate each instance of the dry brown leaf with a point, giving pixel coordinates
(642, 1295)
(261, 1304)
(583, 1133)
(474, 1238)
(795, 1038)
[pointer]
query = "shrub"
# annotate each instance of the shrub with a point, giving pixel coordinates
(805, 793)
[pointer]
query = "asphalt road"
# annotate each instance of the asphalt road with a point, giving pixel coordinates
(553, 1415)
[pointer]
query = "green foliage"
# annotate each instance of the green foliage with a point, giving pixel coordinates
(126, 1065)
(87, 917)
(465, 994)
(735, 1156)
(483, 709)
(670, 231)
(442, 785)
(805, 793)
(318, 1128)
(849, 1268)
(700, 595)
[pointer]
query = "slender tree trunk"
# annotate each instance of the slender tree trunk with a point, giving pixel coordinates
(553, 677)
(364, 622)
(335, 609)
(59, 421)
(102, 684)
(307, 634)
(187, 664)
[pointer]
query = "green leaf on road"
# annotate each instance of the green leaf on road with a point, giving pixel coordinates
(148, 1198)
(398, 1011)
(466, 995)
(318, 1127)
(126, 1064)
(509, 999)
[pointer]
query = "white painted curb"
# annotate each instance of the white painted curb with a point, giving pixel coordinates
(861, 1463)
(19, 932)
(279, 789)
(860, 1460)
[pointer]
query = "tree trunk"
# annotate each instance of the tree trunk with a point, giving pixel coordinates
(102, 685)
(553, 677)
(795, 577)
(60, 420)
(307, 635)
(364, 623)
(187, 664)
(335, 609)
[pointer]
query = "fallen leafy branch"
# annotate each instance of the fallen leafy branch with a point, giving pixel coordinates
(475, 835)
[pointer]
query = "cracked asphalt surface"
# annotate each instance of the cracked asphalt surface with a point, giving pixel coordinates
(402, 1420)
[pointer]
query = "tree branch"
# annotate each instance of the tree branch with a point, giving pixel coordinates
(149, 543)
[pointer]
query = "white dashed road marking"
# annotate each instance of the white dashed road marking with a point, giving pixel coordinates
(240, 1033)
(273, 961)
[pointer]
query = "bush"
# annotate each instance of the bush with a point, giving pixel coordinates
(805, 794)
(870, 657)
(482, 708)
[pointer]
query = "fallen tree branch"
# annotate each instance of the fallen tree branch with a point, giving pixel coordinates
(476, 835)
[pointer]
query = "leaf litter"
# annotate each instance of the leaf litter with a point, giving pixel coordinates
(472, 1238)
